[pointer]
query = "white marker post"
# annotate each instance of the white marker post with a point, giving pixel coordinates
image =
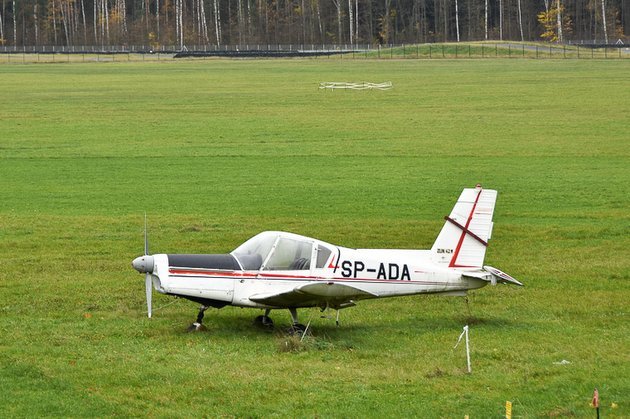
(465, 332)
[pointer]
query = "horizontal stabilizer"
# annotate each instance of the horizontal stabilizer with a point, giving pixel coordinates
(501, 276)
(492, 275)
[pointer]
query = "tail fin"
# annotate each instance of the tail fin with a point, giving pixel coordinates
(464, 237)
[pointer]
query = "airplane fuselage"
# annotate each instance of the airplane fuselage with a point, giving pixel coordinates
(379, 273)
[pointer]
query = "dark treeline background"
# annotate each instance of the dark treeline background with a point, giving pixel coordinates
(231, 22)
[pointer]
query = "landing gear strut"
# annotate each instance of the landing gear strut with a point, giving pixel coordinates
(296, 329)
(198, 326)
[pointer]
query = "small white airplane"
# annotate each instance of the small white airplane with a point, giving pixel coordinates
(278, 270)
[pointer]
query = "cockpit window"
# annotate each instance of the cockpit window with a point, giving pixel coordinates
(323, 254)
(290, 254)
(254, 251)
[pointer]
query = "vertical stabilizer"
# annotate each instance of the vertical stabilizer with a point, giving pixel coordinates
(464, 237)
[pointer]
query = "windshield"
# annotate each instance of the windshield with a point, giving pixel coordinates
(252, 253)
(290, 254)
(278, 251)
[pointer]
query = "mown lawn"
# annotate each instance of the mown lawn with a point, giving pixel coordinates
(216, 151)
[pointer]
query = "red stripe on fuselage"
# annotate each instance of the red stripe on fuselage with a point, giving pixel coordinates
(176, 271)
(209, 274)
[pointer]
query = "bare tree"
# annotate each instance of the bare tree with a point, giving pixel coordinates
(64, 20)
(217, 21)
(204, 22)
(457, 19)
(14, 24)
(84, 23)
(486, 21)
(1, 24)
(337, 4)
(351, 23)
(95, 21)
(180, 23)
(319, 19)
(559, 20)
(501, 20)
(520, 20)
(356, 21)
(604, 21)
(36, 21)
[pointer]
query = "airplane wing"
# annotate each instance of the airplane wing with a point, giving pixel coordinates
(330, 293)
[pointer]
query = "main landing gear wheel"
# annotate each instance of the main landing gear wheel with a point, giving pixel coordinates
(198, 325)
(263, 322)
(297, 329)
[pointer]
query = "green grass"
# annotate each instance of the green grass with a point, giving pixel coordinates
(217, 151)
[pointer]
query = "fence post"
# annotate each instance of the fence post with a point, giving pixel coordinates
(430, 51)
(482, 56)
(456, 56)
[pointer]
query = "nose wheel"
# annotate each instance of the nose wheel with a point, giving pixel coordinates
(198, 326)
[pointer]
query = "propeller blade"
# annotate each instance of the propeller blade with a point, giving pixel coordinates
(149, 289)
(146, 237)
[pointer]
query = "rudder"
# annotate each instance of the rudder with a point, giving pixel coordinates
(464, 237)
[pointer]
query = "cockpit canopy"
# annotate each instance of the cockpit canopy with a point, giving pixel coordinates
(275, 251)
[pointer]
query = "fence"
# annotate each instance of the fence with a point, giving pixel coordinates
(404, 51)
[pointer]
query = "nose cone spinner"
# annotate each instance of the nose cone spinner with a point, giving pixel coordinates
(143, 264)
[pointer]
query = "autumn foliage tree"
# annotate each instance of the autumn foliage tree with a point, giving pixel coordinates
(555, 22)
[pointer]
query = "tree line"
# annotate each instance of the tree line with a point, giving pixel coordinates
(180, 23)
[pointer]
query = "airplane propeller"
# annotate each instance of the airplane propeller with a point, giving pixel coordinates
(144, 264)
(147, 278)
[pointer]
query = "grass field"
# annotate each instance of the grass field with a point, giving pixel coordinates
(216, 151)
